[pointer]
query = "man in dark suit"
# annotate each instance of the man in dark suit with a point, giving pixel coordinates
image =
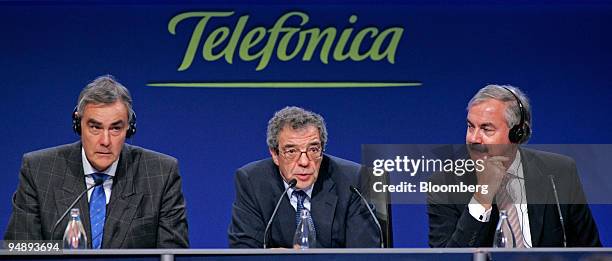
(296, 139)
(139, 203)
(519, 181)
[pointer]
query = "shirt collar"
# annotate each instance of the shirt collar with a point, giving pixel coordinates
(88, 169)
(516, 164)
(308, 190)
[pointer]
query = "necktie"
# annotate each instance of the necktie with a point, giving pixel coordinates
(97, 211)
(301, 196)
(506, 202)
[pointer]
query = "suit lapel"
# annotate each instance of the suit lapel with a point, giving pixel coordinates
(74, 183)
(123, 202)
(283, 227)
(323, 204)
(285, 223)
(537, 192)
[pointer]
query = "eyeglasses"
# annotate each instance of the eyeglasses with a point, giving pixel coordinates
(312, 152)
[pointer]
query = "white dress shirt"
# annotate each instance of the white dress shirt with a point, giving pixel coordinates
(293, 200)
(89, 181)
(516, 188)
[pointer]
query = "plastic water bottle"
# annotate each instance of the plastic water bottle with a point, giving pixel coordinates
(305, 235)
(75, 236)
(500, 239)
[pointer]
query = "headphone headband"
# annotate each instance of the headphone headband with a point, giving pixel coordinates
(519, 132)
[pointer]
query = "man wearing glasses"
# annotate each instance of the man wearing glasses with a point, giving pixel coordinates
(296, 140)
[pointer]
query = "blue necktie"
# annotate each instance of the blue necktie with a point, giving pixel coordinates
(97, 211)
(301, 196)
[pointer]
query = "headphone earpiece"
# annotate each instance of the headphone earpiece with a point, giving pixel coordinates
(516, 134)
(76, 121)
(132, 128)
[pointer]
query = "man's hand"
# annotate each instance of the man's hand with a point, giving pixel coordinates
(492, 175)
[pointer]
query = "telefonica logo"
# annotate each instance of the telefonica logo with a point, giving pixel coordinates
(225, 42)
(289, 38)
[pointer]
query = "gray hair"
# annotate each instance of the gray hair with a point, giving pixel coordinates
(512, 113)
(297, 118)
(106, 90)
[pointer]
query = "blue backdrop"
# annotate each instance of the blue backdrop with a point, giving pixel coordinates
(559, 54)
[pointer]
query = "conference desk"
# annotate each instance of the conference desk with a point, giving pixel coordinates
(321, 254)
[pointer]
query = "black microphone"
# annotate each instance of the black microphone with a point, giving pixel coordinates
(552, 181)
(356, 191)
(97, 183)
(292, 184)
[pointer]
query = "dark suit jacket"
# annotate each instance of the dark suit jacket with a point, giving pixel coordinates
(146, 208)
(340, 217)
(451, 225)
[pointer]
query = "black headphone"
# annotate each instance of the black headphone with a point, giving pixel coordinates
(76, 123)
(519, 132)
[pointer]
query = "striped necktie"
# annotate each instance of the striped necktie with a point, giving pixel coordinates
(506, 202)
(97, 211)
(301, 196)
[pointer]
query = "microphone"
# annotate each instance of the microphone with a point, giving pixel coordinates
(292, 184)
(97, 183)
(552, 181)
(356, 191)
